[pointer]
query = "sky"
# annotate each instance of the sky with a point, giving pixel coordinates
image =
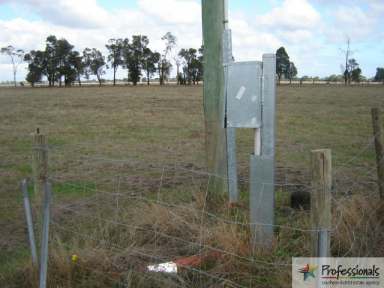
(314, 32)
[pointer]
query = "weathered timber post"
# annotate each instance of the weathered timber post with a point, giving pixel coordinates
(321, 185)
(40, 175)
(213, 14)
(39, 165)
(377, 130)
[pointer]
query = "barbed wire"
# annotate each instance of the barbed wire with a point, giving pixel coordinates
(134, 197)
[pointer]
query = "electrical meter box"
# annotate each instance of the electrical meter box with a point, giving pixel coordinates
(244, 94)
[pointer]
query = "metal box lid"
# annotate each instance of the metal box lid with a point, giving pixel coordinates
(244, 92)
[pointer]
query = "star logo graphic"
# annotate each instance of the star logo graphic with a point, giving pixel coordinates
(308, 271)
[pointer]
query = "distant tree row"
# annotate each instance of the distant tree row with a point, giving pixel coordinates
(286, 69)
(60, 64)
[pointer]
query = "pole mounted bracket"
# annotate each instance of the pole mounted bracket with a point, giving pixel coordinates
(250, 93)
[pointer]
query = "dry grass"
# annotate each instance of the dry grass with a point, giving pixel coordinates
(360, 227)
(148, 207)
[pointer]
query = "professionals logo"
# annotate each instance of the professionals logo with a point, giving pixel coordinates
(335, 272)
(350, 272)
(308, 271)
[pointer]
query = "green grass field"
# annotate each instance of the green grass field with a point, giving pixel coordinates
(148, 143)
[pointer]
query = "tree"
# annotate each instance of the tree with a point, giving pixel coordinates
(200, 64)
(177, 59)
(63, 52)
(353, 71)
(94, 63)
(16, 56)
(78, 65)
(165, 63)
(133, 57)
(150, 59)
(126, 54)
(115, 57)
(347, 68)
(282, 62)
(50, 69)
(379, 75)
(356, 75)
(33, 76)
(193, 66)
(57, 61)
(352, 64)
(292, 72)
(36, 67)
(164, 68)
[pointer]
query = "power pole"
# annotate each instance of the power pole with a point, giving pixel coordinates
(213, 13)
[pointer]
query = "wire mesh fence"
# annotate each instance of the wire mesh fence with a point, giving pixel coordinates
(129, 194)
(135, 213)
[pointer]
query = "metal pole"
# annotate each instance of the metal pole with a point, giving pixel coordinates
(226, 18)
(45, 236)
(323, 243)
(231, 131)
(28, 216)
(262, 162)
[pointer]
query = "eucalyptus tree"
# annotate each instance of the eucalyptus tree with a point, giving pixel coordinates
(165, 63)
(282, 63)
(94, 63)
(356, 75)
(189, 57)
(346, 68)
(16, 56)
(65, 69)
(51, 64)
(36, 66)
(292, 72)
(115, 56)
(133, 57)
(150, 60)
(78, 65)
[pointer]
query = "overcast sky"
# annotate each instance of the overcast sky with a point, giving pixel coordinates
(312, 31)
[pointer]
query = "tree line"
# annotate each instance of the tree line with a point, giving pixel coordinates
(351, 71)
(62, 65)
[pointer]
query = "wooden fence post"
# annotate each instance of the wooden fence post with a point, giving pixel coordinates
(213, 16)
(377, 129)
(321, 183)
(40, 175)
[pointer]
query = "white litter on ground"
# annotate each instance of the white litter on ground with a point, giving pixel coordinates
(168, 267)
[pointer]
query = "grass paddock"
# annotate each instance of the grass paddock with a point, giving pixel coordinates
(129, 179)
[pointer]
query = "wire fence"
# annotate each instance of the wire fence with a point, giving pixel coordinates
(120, 207)
(137, 213)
